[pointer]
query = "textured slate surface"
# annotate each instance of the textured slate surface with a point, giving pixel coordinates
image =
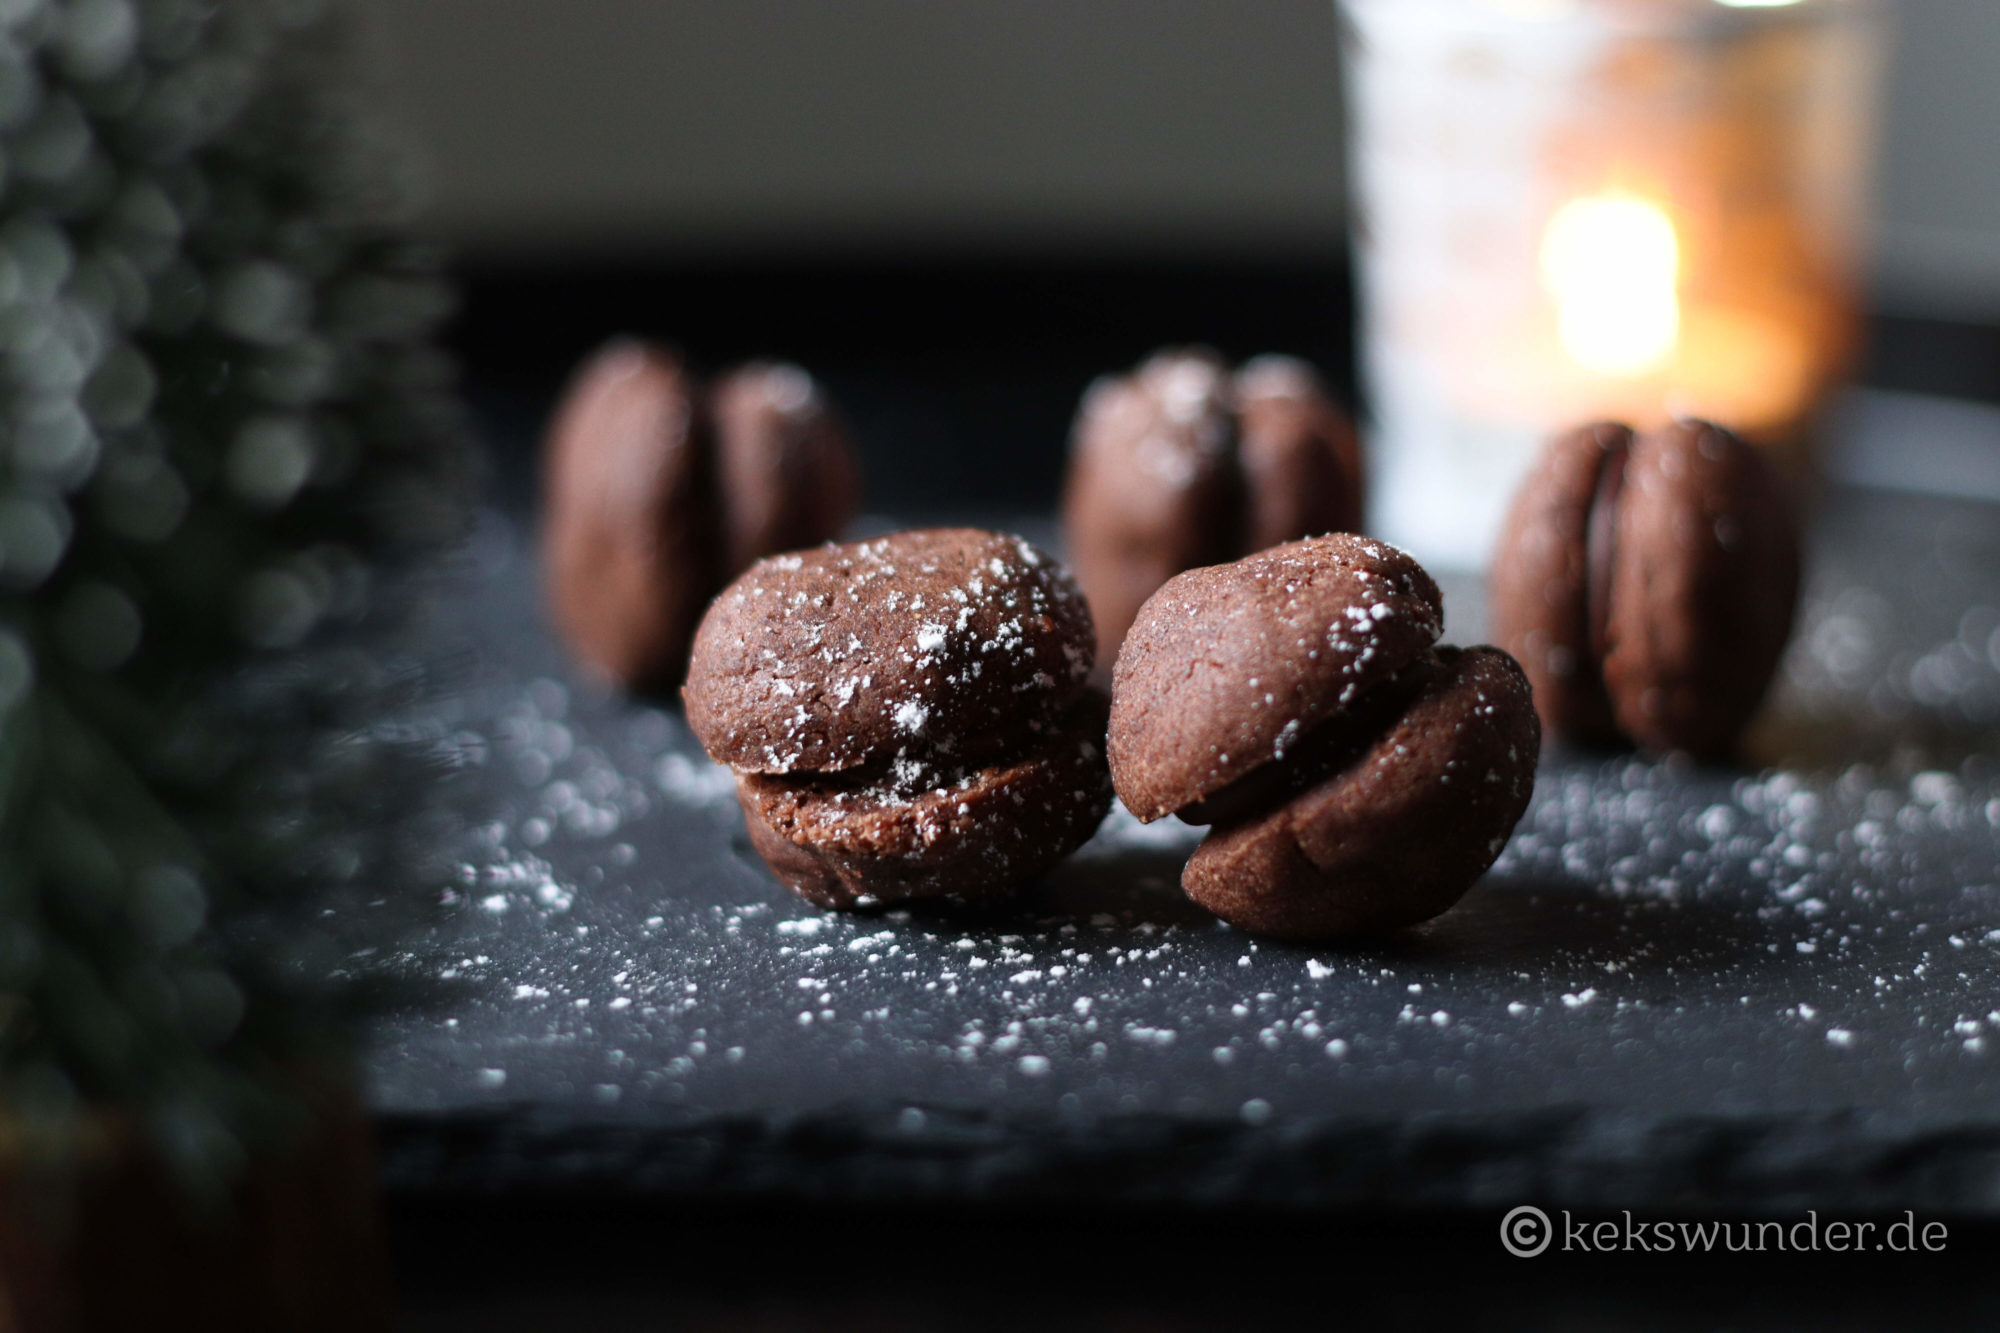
(1678, 987)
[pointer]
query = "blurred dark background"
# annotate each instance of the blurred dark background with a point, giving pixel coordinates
(958, 214)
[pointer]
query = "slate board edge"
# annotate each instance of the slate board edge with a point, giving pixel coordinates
(1566, 1156)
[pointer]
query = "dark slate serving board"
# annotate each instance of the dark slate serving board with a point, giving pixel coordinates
(1679, 986)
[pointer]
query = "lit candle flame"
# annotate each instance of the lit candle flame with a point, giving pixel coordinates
(1612, 264)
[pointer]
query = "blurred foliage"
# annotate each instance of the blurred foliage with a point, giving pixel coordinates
(225, 432)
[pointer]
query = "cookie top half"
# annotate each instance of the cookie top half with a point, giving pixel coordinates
(1539, 589)
(1228, 666)
(925, 641)
(1300, 456)
(1704, 584)
(628, 528)
(788, 472)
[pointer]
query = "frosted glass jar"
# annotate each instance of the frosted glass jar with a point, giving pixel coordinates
(1571, 209)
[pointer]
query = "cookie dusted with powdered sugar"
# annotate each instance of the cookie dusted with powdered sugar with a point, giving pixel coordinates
(657, 487)
(1186, 462)
(1358, 778)
(908, 717)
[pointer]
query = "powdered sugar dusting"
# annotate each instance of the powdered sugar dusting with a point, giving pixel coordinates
(678, 983)
(911, 717)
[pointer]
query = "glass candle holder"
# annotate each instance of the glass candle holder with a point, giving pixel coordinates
(1578, 209)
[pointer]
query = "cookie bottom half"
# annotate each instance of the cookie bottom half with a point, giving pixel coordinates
(1399, 834)
(913, 831)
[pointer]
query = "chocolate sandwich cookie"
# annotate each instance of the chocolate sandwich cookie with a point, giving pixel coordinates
(657, 489)
(1359, 778)
(1648, 583)
(1185, 463)
(908, 717)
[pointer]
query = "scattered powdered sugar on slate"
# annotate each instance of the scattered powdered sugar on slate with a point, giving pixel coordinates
(1895, 662)
(499, 882)
(694, 779)
(1655, 936)
(1638, 902)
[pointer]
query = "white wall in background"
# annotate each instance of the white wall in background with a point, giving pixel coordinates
(1938, 251)
(937, 122)
(931, 121)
